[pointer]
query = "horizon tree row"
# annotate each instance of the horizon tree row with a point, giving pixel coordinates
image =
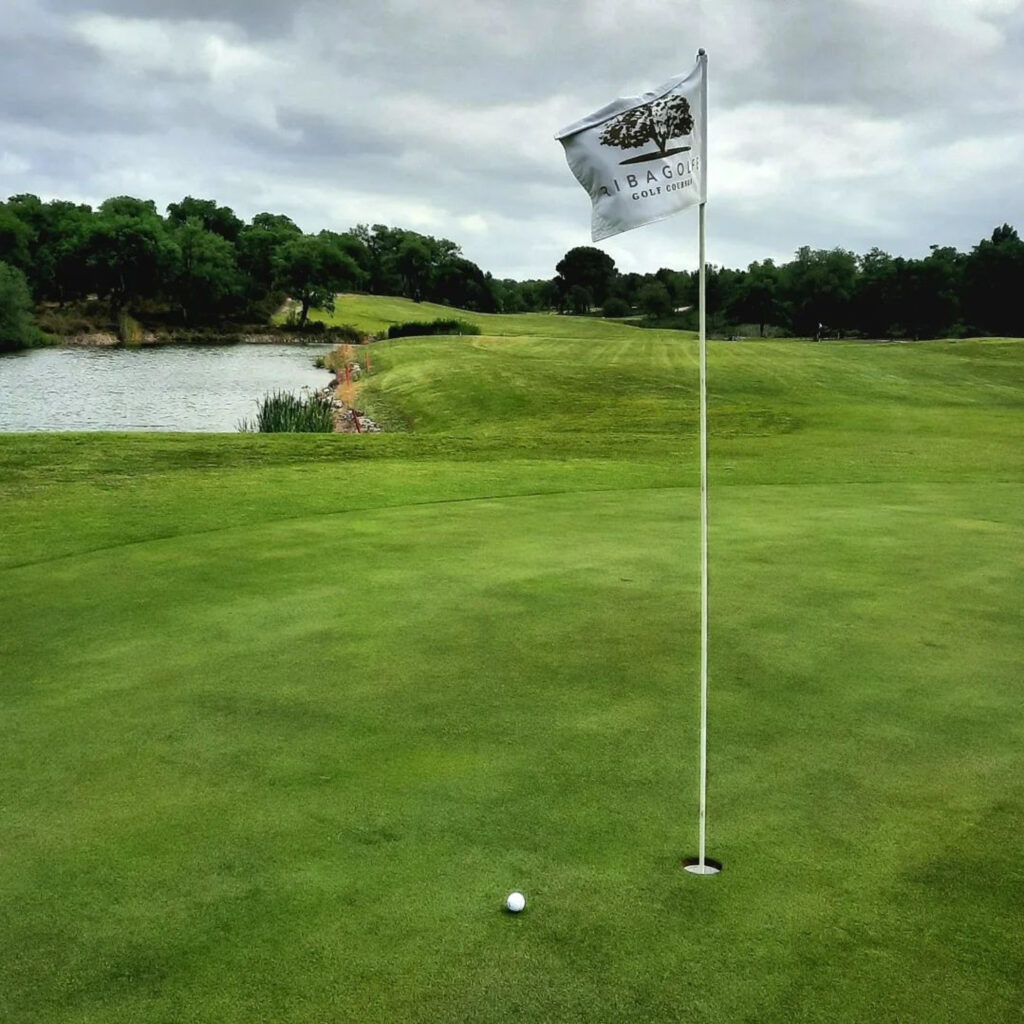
(821, 291)
(201, 264)
(204, 265)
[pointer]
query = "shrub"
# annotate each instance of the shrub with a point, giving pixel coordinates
(341, 332)
(284, 413)
(416, 327)
(16, 327)
(616, 308)
(655, 300)
(346, 332)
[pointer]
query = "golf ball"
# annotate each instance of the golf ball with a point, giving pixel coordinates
(515, 902)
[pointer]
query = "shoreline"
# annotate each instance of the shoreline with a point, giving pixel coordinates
(149, 339)
(342, 389)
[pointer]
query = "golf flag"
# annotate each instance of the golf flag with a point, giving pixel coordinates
(642, 158)
(669, 128)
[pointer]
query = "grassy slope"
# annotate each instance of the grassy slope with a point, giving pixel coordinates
(375, 313)
(285, 718)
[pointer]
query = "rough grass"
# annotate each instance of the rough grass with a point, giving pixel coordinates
(285, 718)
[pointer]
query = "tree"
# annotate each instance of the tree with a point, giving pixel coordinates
(258, 243)
(627, 286)
(16, 327)
(589, 268)
(580, 300)
(413, 263)
(313, 269)
(875, 299)
(615, 308)
(129, 253)
(675, 283)
(129, 206)
(927, 292)
(221, 220)
(538, 295)
(381, 244)
(819, 287)
(756, 297)
(45, 241)
(659, 122)
(994, 282)
(15, 238)
(655, 300)
(61, 264)
(207, 281)
(510, 296)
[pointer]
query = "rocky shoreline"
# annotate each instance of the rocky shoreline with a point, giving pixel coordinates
(348, 419)
(341, 390)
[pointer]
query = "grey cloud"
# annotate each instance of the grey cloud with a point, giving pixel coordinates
(883, 57)
(58, 84)
(401, 105)
(261, 18)
(326, 138)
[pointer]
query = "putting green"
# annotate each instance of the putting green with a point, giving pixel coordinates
(285, 720)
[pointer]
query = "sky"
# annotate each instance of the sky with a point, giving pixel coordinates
(850, 123)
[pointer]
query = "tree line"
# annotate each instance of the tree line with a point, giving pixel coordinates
(200, 264)
(821, 292)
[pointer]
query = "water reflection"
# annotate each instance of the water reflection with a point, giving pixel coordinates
(185, 388)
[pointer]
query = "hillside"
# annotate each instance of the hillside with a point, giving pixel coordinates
(572, 385)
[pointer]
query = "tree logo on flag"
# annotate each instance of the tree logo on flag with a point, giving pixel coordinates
(659, 122)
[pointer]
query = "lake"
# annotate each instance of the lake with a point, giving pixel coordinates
(167, 388)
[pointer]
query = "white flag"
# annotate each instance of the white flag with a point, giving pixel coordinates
(668, 173)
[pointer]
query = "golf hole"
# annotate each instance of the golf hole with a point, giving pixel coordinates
(712, 867)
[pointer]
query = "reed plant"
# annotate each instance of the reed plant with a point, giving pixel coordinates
(282, 412)
(129, 330)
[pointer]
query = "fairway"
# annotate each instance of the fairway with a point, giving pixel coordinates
(286, 718)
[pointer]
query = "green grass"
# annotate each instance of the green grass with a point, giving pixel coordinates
(284, 718)
(375, 313)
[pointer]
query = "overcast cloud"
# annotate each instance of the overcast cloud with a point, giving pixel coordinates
(854, 123)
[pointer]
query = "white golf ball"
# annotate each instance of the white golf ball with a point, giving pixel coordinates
(515, 902)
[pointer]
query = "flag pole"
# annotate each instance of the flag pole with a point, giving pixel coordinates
(703, 866)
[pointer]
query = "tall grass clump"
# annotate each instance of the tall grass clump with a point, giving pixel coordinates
(418, 328)
(129, 330)
(282, 412)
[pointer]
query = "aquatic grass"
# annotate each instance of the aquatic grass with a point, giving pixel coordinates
(282, 412)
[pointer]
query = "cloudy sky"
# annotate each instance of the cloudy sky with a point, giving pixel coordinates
(854, 123)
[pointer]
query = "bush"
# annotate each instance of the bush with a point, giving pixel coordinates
(415, 328)
(346, 332)
(284, 413)
(64, 322)
(616, 308)
(341, 332)
(655, 300)
(16, 327)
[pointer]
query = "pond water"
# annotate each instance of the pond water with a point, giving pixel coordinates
(179, 387)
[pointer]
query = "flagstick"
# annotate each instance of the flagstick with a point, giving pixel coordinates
(702, 867)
